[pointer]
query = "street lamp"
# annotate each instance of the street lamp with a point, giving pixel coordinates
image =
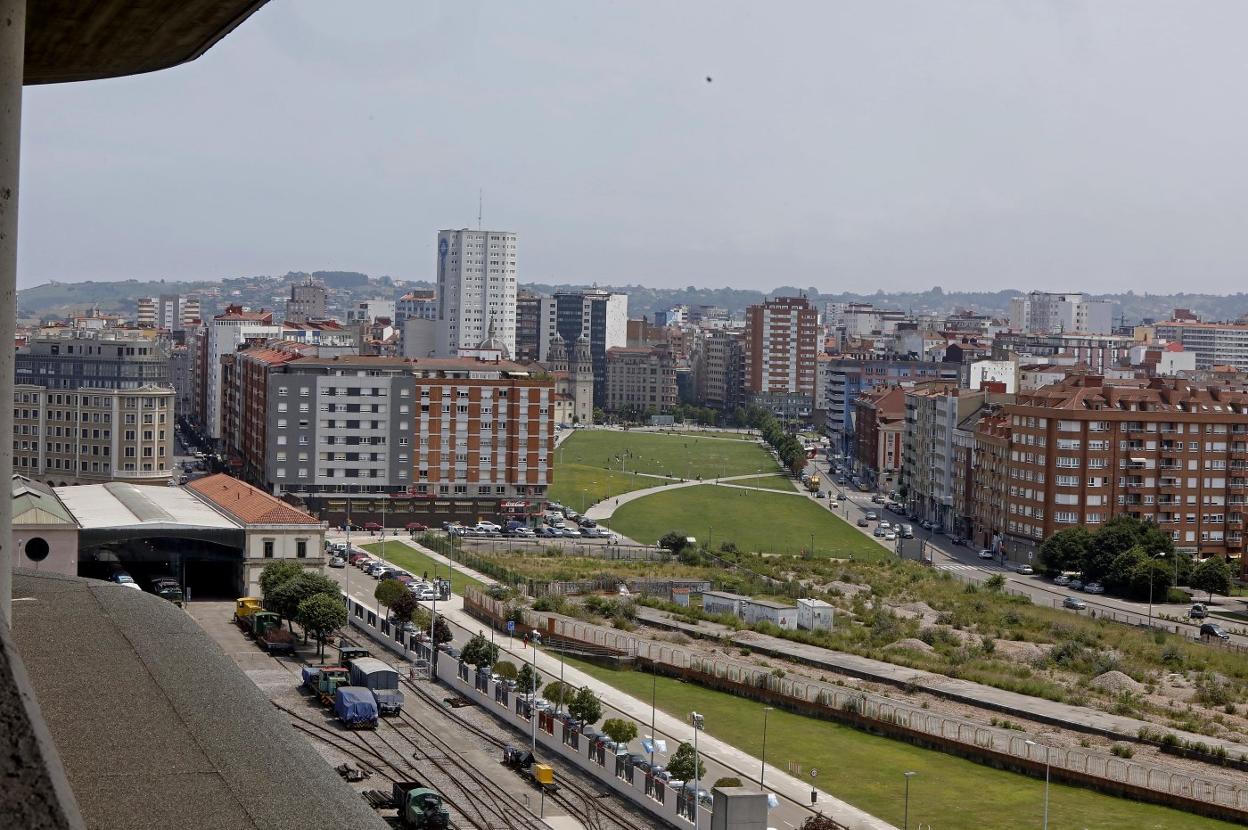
(1159, 555)
(1046, 783)
(698, 722)
(762, 769)
(905, 825)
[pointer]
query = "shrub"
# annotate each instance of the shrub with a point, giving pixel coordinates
(1122, 750)
(727, 781)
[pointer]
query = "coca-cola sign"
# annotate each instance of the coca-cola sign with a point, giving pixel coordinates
(512, 505)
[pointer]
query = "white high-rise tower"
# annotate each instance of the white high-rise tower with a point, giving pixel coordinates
(476, 287)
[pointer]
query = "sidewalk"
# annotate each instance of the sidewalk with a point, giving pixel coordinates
(795, 790)
(606, 508)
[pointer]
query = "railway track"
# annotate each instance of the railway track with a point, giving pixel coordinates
(574, 797)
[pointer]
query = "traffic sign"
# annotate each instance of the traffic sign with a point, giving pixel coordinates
(511, 626)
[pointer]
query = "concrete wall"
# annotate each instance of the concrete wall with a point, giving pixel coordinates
(285, 539)
(62, 549)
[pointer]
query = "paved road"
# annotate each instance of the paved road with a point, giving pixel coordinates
(720, 758)
(964, 563)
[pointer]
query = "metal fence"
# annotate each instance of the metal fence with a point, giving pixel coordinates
(1231, 794)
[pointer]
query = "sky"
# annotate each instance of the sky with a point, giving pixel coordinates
(850, 146)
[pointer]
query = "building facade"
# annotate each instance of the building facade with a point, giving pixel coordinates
(223, 335)
(307, 301)
(535, 326)
(640, 381)
(879, 436)
(1044, 312)
(476, 289)
(602, 319)
(718, 363)
(848, 377)
(781, 339)
(1214, 344)
(421, 304)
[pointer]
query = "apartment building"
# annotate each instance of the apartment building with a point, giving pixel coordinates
(640, 380)
(223, 335)
(1086, 449)
(1044, 312)
(308, 301)
(1098, 353)
(421, 304)
(107, 358)
(601, 317)
(476, 290)
(1214, 344)
(933, 412)
(879, 436)
(475, 431)
(171, 312)
(535, 326)
(781, 339)
(718, 361)
(848, 377)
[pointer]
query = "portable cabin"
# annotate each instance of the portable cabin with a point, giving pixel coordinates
(348, 653)
(382, 680)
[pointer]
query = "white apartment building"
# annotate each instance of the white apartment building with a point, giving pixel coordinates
(476, 289)
(1043, 312)
(226, 332)
(1214, 344)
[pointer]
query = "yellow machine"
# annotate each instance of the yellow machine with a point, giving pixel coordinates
(812, 484)
(543, 775)
(246, 606)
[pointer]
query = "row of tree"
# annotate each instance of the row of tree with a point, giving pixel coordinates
(790, 450)
(403, 608)
(1130, 557)
(312, 600)
(581, 703)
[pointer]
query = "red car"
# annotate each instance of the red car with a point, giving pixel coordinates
(415, 526)
(372, 526)
(356, 556)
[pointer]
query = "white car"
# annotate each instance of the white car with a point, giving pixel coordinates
(1025, 570)
(890, 536)
(488, 526)
(987, 554)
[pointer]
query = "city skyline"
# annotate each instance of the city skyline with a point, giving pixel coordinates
(1098, 151)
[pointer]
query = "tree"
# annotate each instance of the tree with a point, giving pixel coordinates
(403, 606)
(479, 651)
(1212, 575)
(996, 582)
(505, 669)
(674, 541)
(585, 706)
(680, 765)
(286, 597)
(441, 632)
(619, 730)
(1065, 550)
(388, 592)
(559, 693)
(820, 822)
(528, 680)
(321, 615)
(277, 573)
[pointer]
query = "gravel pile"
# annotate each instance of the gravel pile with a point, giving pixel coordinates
(1116, 681)
(912, 644)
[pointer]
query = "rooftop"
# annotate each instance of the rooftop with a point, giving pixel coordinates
(248, 504)
(37, 504)
(119, 504)
(149, 694)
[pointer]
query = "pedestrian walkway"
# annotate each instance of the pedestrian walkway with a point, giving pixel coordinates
(793, 790)
(606, 508)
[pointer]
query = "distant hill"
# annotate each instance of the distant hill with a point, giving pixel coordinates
(60, 299)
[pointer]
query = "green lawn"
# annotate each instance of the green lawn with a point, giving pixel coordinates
(766, 522)
(580, 485)
(867, 770)
(776, 482)
(415, 562)
(683, 456)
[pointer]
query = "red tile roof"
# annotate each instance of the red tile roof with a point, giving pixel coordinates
(248, 504)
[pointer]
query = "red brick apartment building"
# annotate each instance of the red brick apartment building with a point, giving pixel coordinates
(781, 340)
(1085, 449)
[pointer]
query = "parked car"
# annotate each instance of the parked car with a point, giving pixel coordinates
(426, 594)
(863, 522)
(878, 532)
(890, 536)
(523, 533)
(878, 499)
(1076, 585)
(1061, 580)
(587, 523)
(1075, 603)
(1198, 611)
(548, 532)
(489, 526)
(571, 532)
(1214, 630)
(1094, 588)
(337, 562)
(872, 516)
(984, 553)
(1025, 570)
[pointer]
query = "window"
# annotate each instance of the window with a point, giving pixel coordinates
(301, 548)
(268, 548)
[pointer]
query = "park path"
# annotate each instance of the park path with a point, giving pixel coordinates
(795, 790)
(606, 508)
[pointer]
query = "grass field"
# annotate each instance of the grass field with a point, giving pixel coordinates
(415, 562)
(867, 770)
(771, 523)
(776, 482)
(580, 485)
(683, 456)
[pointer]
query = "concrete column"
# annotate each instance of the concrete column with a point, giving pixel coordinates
(12, 62)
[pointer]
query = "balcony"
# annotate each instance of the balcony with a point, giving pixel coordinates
(1238, 484)
(1169, 485)
(1238, 451)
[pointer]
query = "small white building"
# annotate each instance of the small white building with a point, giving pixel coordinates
(814, 615)
(762, 610)
(722, 602)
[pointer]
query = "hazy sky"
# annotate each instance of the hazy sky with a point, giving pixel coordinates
(847, 145)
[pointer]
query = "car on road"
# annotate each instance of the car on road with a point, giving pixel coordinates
(872, 516)
(890, 536)
(907, 531)
(337, 562)
(879, 532)
(863, 522)
(1198, 611)
(1214, 630)
(1076, 585)
(884, 524)
(1074, 603)
(1061, 580)
(1094, 588)
(425, 594)
(878, 499)
(1025, 570)
(984, 553)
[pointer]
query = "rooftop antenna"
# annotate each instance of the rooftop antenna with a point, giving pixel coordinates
(480, 203)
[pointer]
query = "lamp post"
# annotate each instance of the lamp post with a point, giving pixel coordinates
(654, 694)
(906, 821)
(1159, 555)
(1045, 825)
(762, 768)
(698, 722)
(533, 697)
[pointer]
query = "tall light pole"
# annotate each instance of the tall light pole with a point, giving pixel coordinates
(1159, 555)
(698, 722)
(905, 825)
(654, 695)
(1045, 826)
(533, 696)
(762, 768)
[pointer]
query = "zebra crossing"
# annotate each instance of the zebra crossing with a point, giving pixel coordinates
(960, 567)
